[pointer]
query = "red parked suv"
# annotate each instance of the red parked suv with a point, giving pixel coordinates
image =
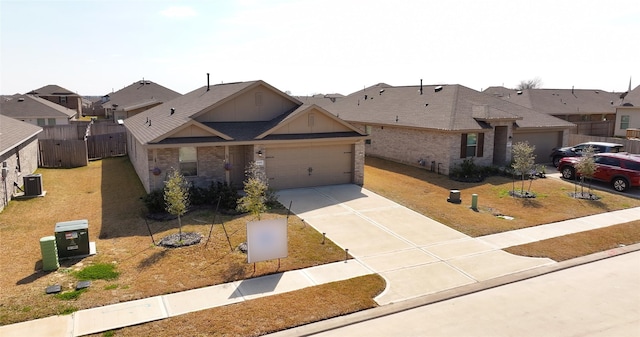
(621, 170)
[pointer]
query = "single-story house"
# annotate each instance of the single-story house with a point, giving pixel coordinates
(135, 98)
(628, 112)
(593, 111)
(18, 155)
(439, 126)
(212, 133)
(37, 111)
(61, 96)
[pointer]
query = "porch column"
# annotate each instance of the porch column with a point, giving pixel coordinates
(227, 173)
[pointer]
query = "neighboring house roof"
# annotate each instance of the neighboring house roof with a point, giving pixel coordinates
(156, 125)
(14, 132)
(632, 98)
(29, 106)
(439, 107)
(559, 101)
(320, 99)
(139, 95)
(52, 90)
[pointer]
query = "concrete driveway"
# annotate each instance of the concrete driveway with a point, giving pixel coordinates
(416, 255)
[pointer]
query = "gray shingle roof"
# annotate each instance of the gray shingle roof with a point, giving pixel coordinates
(140, 94)
(13, 132)
(559, 101)
(633, 97)
(52, 90)
(153, 125)
(439, 107)
(186, 108)
(29, 106)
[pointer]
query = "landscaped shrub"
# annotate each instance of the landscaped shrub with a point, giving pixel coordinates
(154, 201)
(198, 196)
(467, 171)
(228, 194)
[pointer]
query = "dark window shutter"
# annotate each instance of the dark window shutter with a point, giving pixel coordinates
(463, 146)
(480, 145)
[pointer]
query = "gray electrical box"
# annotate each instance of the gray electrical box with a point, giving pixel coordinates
(72, 238)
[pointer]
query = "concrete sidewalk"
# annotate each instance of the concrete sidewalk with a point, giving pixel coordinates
(109, 317)
(416, 255)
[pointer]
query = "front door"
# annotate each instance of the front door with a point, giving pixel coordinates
(500, 145)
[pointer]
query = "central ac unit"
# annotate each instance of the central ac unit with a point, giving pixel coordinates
(32, 185)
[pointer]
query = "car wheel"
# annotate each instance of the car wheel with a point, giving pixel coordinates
(568, 172)
(556, 161)
(620, 184)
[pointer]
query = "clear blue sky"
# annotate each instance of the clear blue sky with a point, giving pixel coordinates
(318, 46)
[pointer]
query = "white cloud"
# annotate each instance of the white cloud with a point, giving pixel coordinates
(179, 12)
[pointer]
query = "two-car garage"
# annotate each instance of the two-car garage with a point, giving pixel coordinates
(309, 165)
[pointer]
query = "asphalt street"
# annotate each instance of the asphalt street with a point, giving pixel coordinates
(598, 299)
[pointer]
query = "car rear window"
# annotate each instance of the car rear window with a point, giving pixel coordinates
(617, 149)
(632, 165)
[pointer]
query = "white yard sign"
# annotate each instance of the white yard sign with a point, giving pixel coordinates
(266, 240)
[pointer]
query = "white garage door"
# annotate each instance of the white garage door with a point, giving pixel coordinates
(293, 167)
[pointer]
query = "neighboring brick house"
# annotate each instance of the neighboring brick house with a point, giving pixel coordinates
(37, 111)
(212, 133)
(592, 111)
(61, 96)
(18, 155)
(438, 126)
(135, 98)
(628, 112)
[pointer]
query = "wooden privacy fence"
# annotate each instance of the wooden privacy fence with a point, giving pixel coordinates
(107, 145)
(630, 145)
(62, 153)
(67, 146)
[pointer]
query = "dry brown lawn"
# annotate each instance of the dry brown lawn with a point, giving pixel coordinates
(580, 244)
(107, 193)
(427, 192)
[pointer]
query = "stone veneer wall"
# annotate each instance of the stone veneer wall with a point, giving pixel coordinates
(358, 170)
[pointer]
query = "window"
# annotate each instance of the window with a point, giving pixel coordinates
(624, 122)
(188, 158)
(51, 121)
(18, 166)
(471, 145)
(367, 130)
(40, 121)
(63, 99)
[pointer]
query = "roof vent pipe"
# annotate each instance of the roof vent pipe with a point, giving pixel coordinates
(207, 81)
(420, 86)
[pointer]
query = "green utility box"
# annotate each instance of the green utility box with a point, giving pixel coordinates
(72, 238)
(49, 253)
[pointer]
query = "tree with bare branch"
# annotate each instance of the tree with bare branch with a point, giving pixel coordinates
(534, 83)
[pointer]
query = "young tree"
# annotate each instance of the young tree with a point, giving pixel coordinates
(586, 167)
(176, 196)
(255, 189)
(523, 160)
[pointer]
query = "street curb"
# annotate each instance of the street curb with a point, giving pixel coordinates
(393, 308)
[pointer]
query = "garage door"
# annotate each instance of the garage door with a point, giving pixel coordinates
(293, 167)
(543, 141)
